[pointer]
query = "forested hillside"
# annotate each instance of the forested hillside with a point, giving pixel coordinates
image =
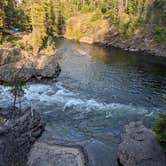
(126, 15)
(91, 20)
(81, 82)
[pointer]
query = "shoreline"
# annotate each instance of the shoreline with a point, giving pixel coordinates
(148, 52)
(123, 46)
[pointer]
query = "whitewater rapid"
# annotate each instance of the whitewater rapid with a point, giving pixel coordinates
(45, 94)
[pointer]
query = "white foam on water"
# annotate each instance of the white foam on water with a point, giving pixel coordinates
(47, 94)
(5, 97)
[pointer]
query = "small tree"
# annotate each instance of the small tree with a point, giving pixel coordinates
(159, 127)
(17, 85)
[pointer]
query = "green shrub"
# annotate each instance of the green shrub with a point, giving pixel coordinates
(97, 15)
(20, 43)
(160, 33)
(85, 9)
(79, 34)
(159, 127)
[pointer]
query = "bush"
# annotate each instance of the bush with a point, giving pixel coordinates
(160, 33)
(96, 16)
(159, 127)
(85, 9)
(79, 34)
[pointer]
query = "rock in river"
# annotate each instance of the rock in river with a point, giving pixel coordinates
(139, 147)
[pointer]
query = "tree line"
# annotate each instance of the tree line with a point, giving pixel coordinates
(47, 17)
(41, 17)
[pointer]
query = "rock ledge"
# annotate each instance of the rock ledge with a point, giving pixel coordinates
(139, 147)
(17, 135)
(43, 154)
(16, 61)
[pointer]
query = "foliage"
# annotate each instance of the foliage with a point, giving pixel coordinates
(77, 33)
(96, 16)
(38, 17)
(160, 33)
(48, 17)
(126, 15)
(159, 126)
(17, 85)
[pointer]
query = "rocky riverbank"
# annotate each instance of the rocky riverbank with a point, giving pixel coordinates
(17, 135)
(85, 29)
(139, 147)
(144, 45)
(43, 154)
(19, 144)
(138, 142)
(16, 61)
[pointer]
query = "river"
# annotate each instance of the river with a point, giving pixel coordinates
(98, 92)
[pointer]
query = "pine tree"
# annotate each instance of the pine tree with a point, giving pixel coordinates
(51, 18)
(38, 22)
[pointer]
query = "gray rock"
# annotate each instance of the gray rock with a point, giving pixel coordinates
(16, 137)
(139, 147)
(9, 55)
(98, 153)
(43, 154)
(23, 64)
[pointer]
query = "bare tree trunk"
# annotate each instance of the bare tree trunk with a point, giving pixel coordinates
(20, 105)
(120, 8)
(14, 102)
(126, 5)
(35, 44)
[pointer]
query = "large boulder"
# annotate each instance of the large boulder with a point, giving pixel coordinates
(139, 147)
(43, 154)
(27, 66)
(9, 55)
(17, 135)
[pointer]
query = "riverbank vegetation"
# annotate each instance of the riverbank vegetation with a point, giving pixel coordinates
(126, 15)
(45, 18)
(159, 126)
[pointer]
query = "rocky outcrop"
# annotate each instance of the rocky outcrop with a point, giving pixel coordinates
(9, 55)
(43, 154)
(18, 62)
(88, 29)
(139, 147)
(17, 135)
(135, 43)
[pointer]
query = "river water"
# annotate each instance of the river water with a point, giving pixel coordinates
(98, 92)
